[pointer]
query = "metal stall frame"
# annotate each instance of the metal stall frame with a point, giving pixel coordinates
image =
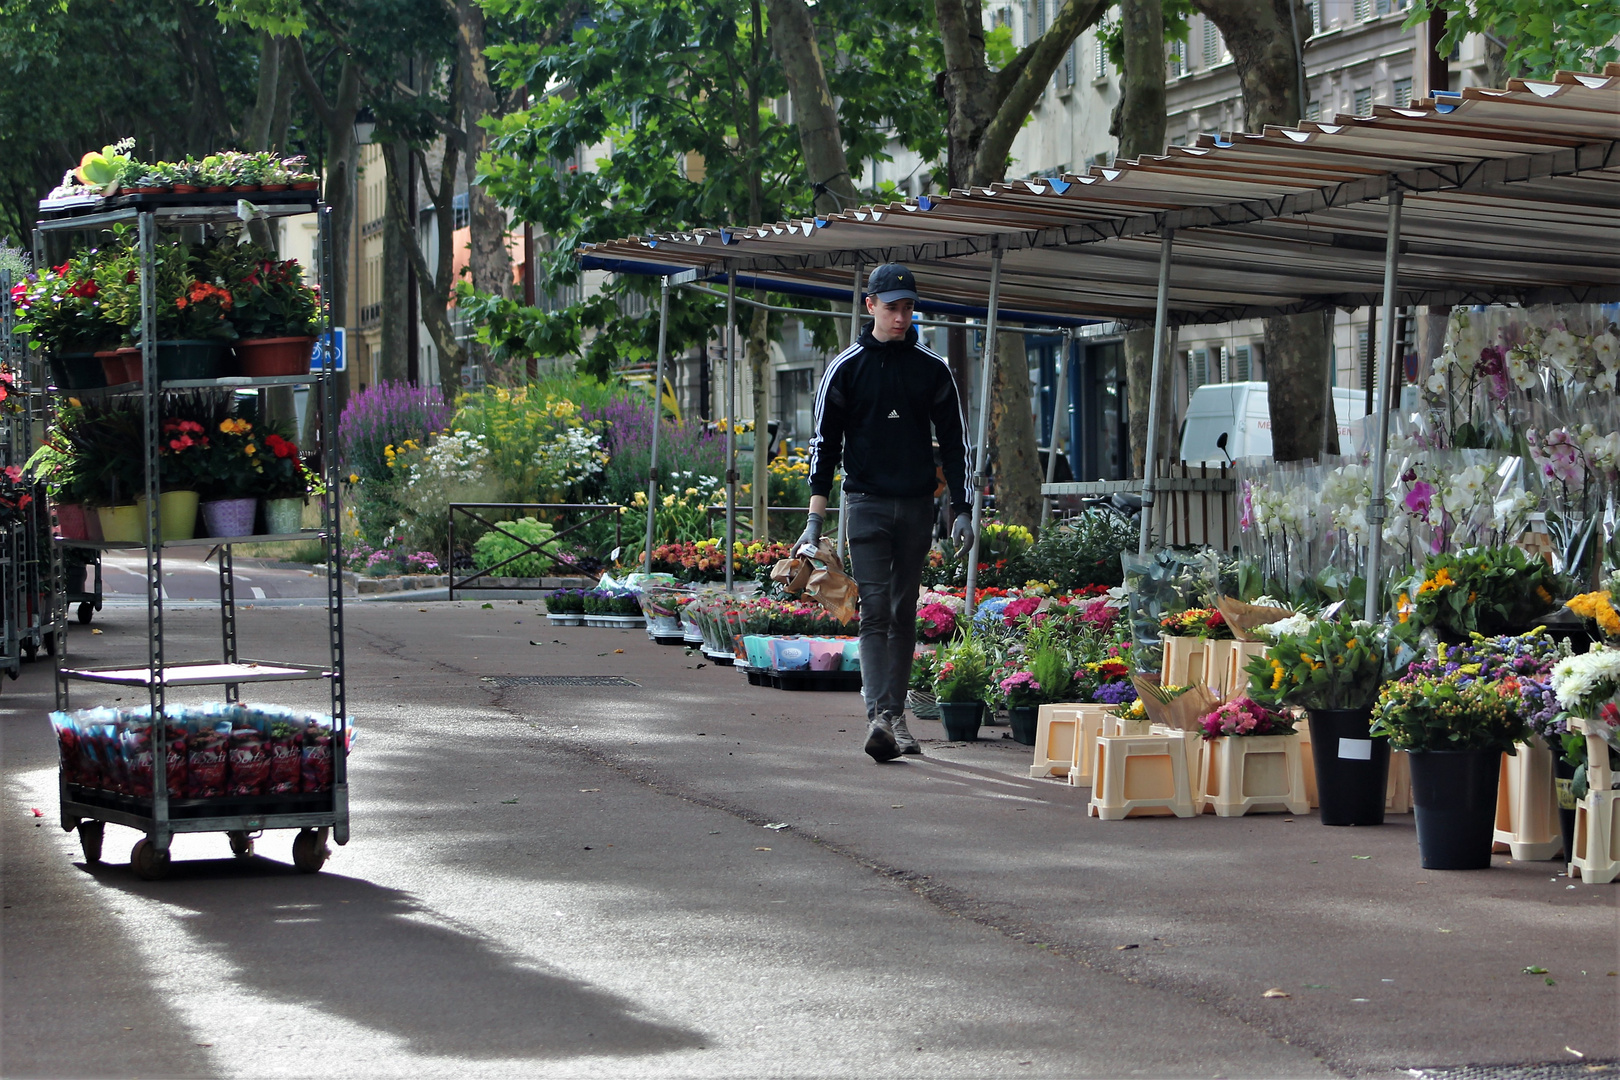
(160, 817)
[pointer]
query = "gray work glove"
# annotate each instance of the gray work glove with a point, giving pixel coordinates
(809, 539)
(962, 531)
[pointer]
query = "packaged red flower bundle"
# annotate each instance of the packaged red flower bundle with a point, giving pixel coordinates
(249, 762)
(286, 757)
(207, 761)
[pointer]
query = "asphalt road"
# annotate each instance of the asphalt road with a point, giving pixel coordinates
(562, 881)
(187, 577)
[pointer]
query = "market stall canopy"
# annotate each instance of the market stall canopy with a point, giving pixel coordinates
(1510, 195)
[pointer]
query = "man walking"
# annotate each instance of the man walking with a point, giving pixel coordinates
(876, 403)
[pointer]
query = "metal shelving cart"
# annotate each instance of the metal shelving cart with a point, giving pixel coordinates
(315, 814)
(25, 603)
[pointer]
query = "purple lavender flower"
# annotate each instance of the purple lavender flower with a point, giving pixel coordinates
(386, 415)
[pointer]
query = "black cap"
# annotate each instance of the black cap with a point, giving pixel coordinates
(891, 282)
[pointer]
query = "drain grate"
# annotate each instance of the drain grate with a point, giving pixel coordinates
(557, 680)
(1559, 1070)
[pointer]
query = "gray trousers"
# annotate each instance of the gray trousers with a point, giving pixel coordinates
(888, 542)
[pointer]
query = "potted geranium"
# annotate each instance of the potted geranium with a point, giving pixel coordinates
(1332, 668)
(59, 310)
(274, 313)
(287, 485)
(193, 318)
(961, 678)
(1455, 726)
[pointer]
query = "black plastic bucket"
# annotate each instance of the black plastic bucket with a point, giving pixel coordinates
(1024, 720)
(1352, 767)
(1454, 799)
(1563, 776)
(77, 371)
(188, 360)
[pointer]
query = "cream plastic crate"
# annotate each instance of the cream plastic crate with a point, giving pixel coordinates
(1527, 806)
(1398, 794)
(1242, 774)
(1140, 775)
(1596, 857)
(1061, 742)
(1191, 661)
(1235, 681)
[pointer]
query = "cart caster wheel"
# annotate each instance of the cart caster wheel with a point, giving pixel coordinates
(148, 863)
(90, 834)
(310, 851)
(86, 612)
(241, 845)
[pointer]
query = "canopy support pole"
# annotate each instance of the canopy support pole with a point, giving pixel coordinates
(1160, 318)
(1059, 411)
(1376, 510)
(854, 336)
(731, 423)
(981, 444)
(658, 422)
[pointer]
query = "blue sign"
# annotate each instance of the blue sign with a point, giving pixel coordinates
(331, 352)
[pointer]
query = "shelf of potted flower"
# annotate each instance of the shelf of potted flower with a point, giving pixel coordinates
(961, 679)
(1455, 726)
(1332, 667)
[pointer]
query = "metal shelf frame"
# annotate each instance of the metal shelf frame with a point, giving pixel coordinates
(155, 816)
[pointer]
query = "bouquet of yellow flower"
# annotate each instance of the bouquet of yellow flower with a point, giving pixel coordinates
(1599, 609)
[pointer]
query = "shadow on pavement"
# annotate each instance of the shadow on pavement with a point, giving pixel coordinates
(376, 957)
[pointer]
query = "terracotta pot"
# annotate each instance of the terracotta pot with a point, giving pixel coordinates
(265, 357)
(272, 187)
(244, 187)
(112, 366)
(185, 189)
(70, 523)
(214, 189)
(306, 185)
(129, 365)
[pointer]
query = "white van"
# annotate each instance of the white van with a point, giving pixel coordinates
(1242, 411)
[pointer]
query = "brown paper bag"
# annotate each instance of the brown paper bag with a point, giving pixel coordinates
(1181, 712)
(1245, 619)
(792, 574)
(830, 587)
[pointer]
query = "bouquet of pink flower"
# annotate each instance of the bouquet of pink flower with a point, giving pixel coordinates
(1245, 716)
(935, 622)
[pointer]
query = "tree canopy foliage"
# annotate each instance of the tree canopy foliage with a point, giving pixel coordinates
(1540, 36)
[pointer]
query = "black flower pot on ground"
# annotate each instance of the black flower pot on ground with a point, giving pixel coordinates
(1454, 800)
(1352, 767)
(1563, 777)
(1023, 718)
(961, 719)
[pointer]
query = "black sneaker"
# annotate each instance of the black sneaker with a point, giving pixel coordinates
(880, 742)
(903, 739)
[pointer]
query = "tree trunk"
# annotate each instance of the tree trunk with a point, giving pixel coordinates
(1018, 461)
(821, 140)
(395, 364)
(1268, 58)
(1138, 373)
(759, 362)
(489, 259)
(1299, 401)
(1139, 123)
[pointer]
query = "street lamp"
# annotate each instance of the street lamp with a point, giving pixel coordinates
(365, 125)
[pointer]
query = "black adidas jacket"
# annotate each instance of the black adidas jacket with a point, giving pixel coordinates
(874, 408)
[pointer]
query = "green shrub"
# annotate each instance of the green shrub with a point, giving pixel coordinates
(507, 539)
